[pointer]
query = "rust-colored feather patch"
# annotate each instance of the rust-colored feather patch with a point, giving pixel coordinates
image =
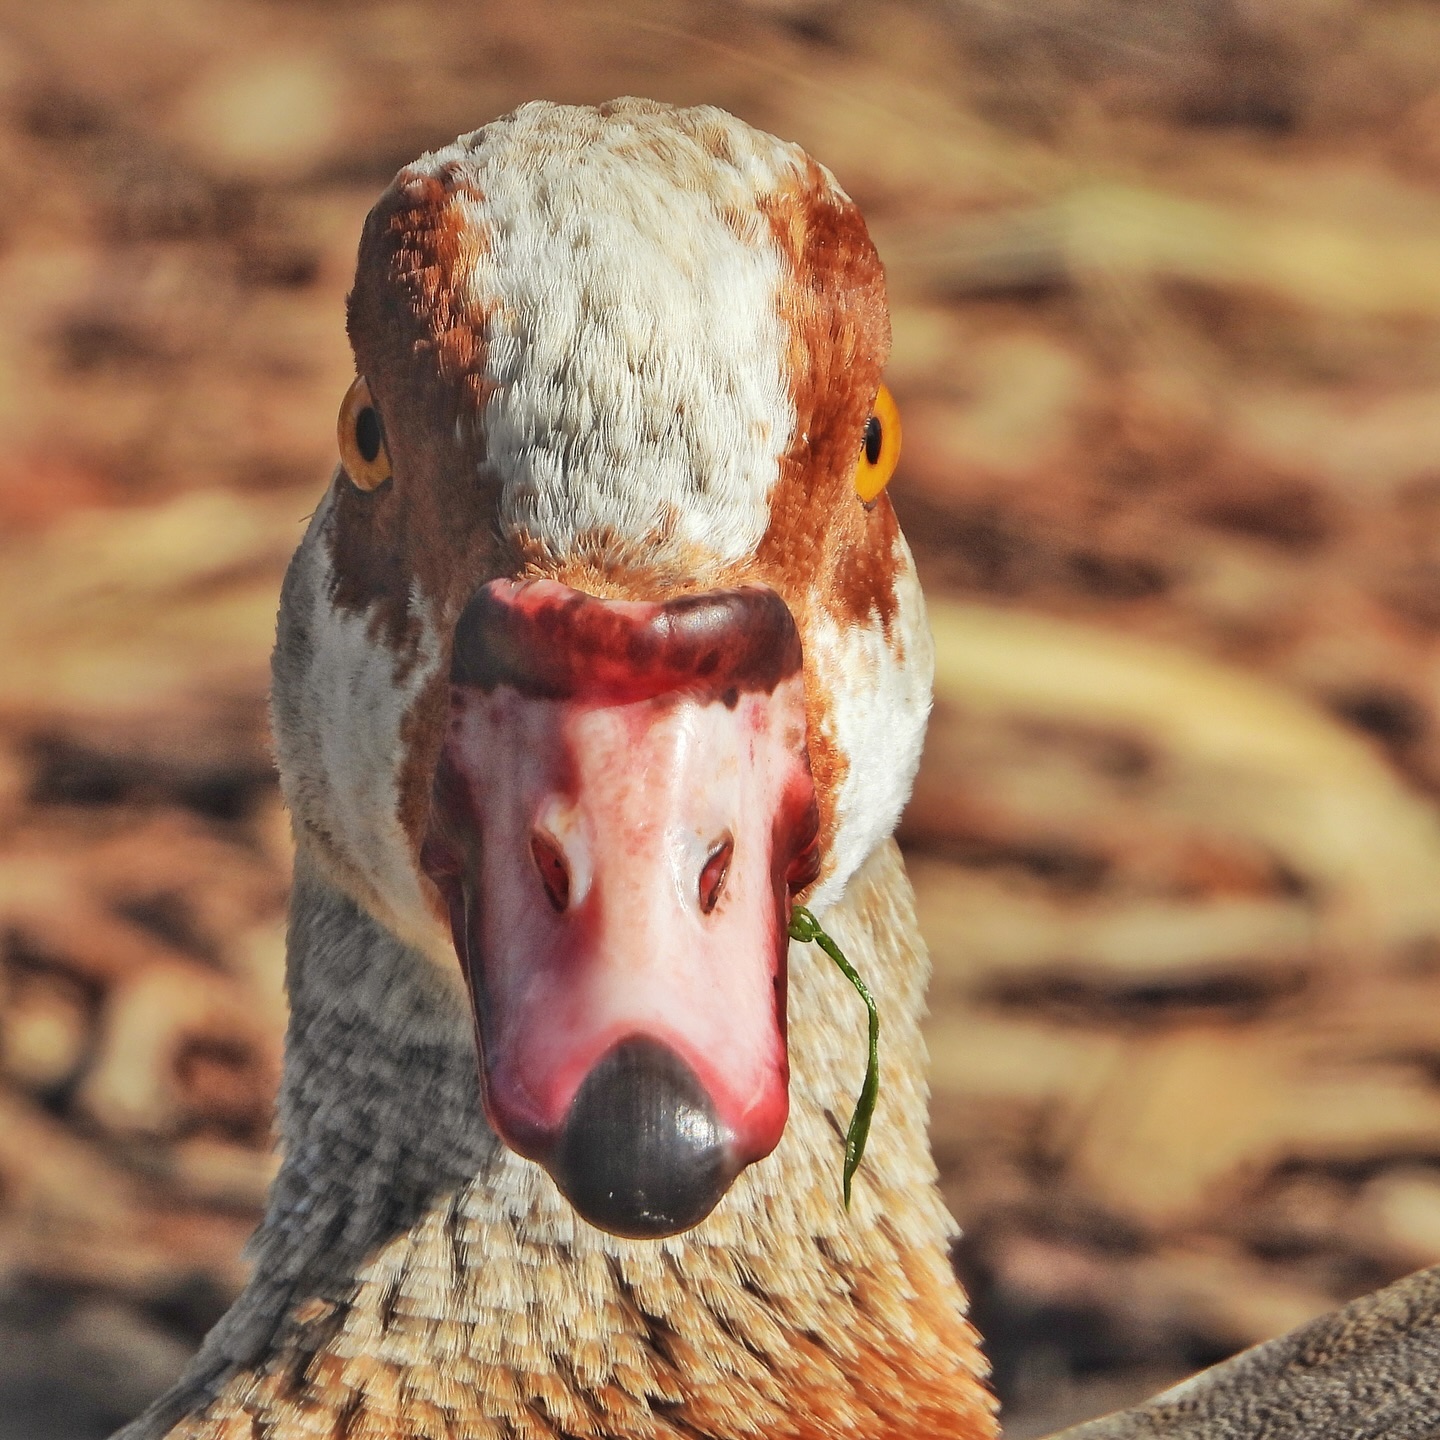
(824, 550)
(412, 552)
(821, 538)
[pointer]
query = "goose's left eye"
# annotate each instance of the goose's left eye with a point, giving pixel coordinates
(362, 438)
(879, 448)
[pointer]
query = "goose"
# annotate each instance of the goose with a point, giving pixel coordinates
(603, 646)
(601, 653)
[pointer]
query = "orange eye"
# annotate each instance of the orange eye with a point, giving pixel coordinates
(362, 438)
(879, 448)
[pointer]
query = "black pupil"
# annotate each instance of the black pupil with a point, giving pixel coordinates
(873, 437)
(367, 433)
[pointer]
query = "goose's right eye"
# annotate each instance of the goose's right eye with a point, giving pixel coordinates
(362, 438)
(879, 448)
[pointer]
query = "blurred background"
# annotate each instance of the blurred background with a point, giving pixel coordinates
(1167, 345)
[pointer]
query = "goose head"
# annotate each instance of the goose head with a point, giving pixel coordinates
(604, 646)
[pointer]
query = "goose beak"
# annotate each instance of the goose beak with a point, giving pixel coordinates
(623, 809)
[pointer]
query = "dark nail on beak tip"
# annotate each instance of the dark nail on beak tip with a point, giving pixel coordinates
(643, 1153)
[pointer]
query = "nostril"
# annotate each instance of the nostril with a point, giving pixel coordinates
(714, 873)
(553, 871)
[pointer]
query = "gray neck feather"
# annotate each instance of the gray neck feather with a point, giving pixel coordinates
(385, 1141)
(380, 1113)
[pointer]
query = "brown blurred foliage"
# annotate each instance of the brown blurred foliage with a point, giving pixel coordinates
(1167, 316)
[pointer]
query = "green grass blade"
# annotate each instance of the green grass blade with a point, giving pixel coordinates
(806, 928)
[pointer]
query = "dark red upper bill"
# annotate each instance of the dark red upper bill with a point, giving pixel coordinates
(549, 641)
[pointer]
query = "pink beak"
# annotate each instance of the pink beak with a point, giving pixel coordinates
(622, 812)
